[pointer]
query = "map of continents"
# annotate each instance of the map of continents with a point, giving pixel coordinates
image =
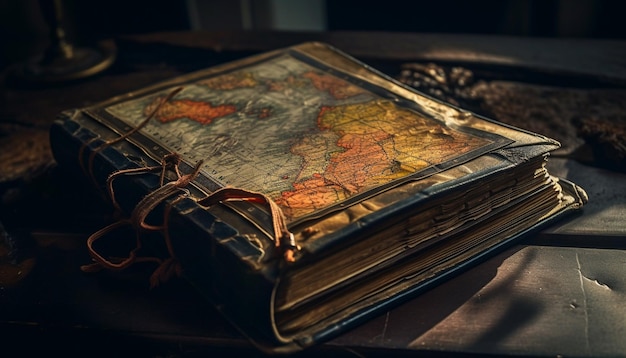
(307, 138)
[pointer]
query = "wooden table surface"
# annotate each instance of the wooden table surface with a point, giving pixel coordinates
(561, 292)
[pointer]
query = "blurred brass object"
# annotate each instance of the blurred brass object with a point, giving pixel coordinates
(69, 63)
(62, 61)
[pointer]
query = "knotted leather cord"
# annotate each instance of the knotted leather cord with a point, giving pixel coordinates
(170, 266)
(138, 217)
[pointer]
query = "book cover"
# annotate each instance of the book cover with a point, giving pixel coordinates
(302, 191)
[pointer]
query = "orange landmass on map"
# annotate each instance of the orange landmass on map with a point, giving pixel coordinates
(364, 158)
(315, 192)
(337, 87)
(373, 151)
(201, 112)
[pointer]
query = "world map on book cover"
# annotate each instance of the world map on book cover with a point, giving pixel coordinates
(307, 137)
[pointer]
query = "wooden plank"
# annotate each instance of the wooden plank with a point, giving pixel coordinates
(602, 222)
(530, 300)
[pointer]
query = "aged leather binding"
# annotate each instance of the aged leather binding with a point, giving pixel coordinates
(302, 191)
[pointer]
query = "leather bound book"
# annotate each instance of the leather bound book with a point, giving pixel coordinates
(303, 192)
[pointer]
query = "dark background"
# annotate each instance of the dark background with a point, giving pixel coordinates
(24, 32)
(25, 115)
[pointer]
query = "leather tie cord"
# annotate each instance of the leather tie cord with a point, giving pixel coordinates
(137, 221)
(282, 237)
